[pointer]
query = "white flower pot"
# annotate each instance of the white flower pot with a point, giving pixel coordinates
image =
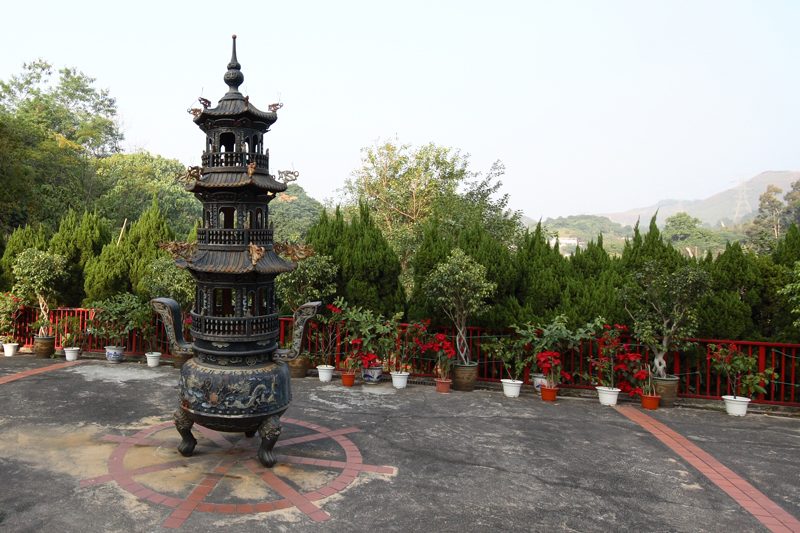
(608, 395)
(511, 387)
(10, 349)
(72, 353)
(153, 358)
(736, 405)
(114, 354)
(325, 372)
(399, 379)
(538, 381)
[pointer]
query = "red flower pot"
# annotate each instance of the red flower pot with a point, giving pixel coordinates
(650, 401)
(348, 380)
(443, 385)
(549, 393)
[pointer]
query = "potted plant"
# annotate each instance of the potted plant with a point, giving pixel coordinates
(145, 321)
(399, 360)
(613, 357)
(373, 338)
(741, 370)
(10, 309)
(72, 337)
(664, 308)
(38, 275)
(445, 355)
(351, 364)
(114, 319)
(459, 287)
(328, 335)
(512, 352)
(549, 344)
(649, 397)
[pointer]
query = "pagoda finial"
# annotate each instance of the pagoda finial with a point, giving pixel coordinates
(234, 77)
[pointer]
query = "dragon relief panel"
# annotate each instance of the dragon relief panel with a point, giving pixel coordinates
(219, 394)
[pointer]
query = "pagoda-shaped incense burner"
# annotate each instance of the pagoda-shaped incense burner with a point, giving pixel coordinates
(233, 383)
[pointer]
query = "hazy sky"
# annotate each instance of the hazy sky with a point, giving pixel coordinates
(592, 106)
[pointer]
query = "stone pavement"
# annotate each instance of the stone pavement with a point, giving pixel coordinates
(91, 447)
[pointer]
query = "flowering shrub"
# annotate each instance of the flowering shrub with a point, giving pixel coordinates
(444, 353)
(740, 369)
(10, 308)
(550, 365)
(616, 364)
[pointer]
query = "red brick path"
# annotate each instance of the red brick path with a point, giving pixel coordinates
(20, 375)
(764, 509)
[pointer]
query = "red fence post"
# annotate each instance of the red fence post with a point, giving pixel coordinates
(762, 365)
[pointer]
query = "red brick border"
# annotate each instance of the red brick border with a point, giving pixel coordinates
(761, 507)
(25, 374)
(232, 452)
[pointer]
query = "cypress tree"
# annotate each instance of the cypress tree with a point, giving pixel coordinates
(540, 276)
(78, 241)
(727, 312)
(787, 251)
(369, 269)
(120, 268)
(495, 256)
(434, 249)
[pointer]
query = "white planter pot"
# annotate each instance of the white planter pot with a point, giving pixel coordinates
(511, 387)
(608, 395)
(72, 353)
(399, 379)
(538, 381)
(153, 359)
(325, 372)
(736, 405)
(114, 354)
(10, 349)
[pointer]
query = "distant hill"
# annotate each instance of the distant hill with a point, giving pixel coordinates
(721, 206)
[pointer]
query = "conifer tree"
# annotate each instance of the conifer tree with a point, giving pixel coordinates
(368, 268)
(787, 251)
(78, 240)
(434, 248)
(540, 277)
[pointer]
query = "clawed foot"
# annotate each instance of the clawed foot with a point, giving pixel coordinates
(186, 447)
(184, 423)
(269, 430)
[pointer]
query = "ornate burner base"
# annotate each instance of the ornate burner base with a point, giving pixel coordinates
(233, 400)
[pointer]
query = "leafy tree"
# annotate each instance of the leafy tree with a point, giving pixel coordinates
(292, 213)
(165, 280)
(129, 183)
(434, 248)
(37, 276)
(22, 239)
(460, 288)
(680, 227)
(401, 185)
(313, 279)
(663, 305)
(765, 230)
(586, 227)
(72, 108)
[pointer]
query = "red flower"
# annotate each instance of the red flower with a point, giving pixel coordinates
(567, 376)
(641, 374)
(333, 308)
(607, 326)
(189, 320)
(440, 337)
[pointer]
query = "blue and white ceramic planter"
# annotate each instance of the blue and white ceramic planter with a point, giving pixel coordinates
(372, 375)
(114, 354)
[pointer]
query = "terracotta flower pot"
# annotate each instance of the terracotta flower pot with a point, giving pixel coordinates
(443, 385)
(650, 401)
(348, 379)
(548, 393)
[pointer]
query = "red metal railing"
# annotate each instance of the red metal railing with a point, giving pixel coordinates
(696, 378)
